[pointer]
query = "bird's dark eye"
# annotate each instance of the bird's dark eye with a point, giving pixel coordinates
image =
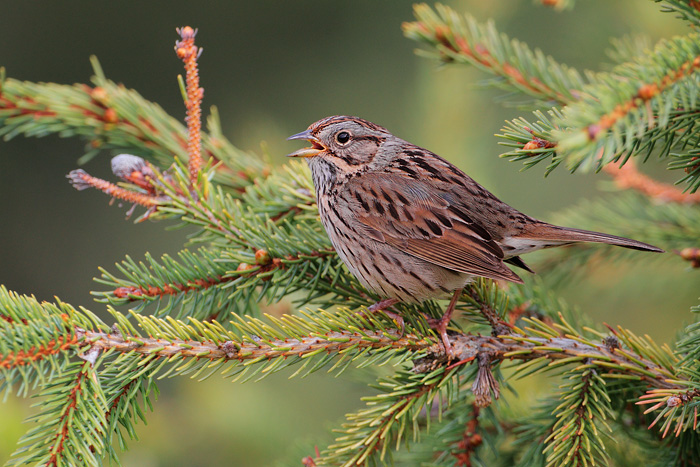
(342, 137)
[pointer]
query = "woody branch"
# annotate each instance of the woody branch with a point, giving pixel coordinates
(467, 347)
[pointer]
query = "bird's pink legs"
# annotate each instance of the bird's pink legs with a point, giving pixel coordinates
(440, 325)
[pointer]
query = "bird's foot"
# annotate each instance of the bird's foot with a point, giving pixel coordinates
(440, 325)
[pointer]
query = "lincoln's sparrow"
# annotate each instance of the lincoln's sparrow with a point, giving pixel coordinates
(410, 225)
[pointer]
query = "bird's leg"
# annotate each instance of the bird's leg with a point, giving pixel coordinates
(383, 305)
(440, 325)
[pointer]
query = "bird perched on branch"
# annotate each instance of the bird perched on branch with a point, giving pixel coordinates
(410, 225)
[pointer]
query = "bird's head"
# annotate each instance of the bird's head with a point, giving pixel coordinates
(349, 144)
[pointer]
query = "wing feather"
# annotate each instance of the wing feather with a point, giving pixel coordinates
(422, 220)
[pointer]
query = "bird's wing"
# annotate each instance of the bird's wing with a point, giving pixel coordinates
(425, 221)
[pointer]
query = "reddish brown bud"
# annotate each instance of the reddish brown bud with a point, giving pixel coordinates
(691, 254)
(537, 143)
(244, 267)
(673, 401)
(692, 168)
(648, 91)
(110, 116)
(124, 292)
(530, 145)
(262, 257)
(99, 94)
(187, 32)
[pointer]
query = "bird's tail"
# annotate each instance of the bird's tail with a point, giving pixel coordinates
(544, 232)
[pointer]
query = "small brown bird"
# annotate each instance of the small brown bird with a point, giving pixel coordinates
(410, 225)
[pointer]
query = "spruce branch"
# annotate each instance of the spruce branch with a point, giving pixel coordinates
(81, 180)
(110, 117)
(242, 350)
(687, 10)
(576, 436)
(169, 282)
(257, 348)
(615, 114)
(390, 417)
(471, 439)
(70, 428)
(129, 394)
(461, 39)
(149, 178)
(268, 244)
(36, 339)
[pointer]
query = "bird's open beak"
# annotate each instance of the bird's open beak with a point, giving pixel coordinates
(307, 152)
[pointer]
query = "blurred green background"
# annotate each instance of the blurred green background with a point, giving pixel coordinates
(272, 68)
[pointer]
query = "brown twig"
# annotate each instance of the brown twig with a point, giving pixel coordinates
(466, 347)
(331, 342)
(470, 441)
(189, 53)
(629, 177)
(264, 264)
(479, 54)
(81, 180)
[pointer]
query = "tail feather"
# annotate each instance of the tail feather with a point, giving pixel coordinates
(548, 232)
